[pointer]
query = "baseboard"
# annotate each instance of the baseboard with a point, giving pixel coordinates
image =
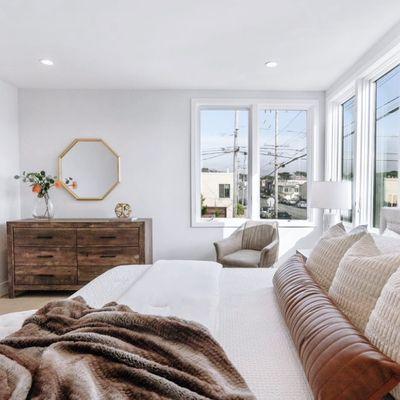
(3, 288)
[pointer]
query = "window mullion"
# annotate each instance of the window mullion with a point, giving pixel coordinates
(254, 164)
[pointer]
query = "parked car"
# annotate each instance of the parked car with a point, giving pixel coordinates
(284, 215)
(301, 204)
(264, 212)
(292, 202)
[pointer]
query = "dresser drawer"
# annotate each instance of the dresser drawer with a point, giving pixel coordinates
(33, 275)
(108, 256)
(45, 256)
(108, 237)
(44, 237)
(88, 272)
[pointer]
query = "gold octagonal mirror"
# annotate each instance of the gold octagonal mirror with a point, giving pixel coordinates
(93, 165)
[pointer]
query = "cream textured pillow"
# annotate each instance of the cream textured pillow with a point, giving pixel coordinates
(383, 328)
(361, 276)
(326, 255)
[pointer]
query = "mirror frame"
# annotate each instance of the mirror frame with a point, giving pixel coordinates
(68, 189)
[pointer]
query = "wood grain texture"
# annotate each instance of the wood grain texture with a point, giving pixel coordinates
(108, 256)
(44, 254)
(108, 237)
(29, 275)
(45, 237)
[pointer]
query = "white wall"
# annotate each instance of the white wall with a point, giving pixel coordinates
(151, 132)
(9, 166)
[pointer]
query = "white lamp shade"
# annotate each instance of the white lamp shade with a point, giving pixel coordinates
(331, 195)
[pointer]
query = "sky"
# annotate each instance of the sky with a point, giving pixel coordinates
(217, 127)
(388, 124)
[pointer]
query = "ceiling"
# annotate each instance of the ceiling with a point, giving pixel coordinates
(187, 44)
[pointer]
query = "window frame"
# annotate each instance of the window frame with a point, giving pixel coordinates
(225, 186)
(362, 84)
(253, 200)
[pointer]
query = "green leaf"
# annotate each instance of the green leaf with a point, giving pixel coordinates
(16, 176)
(43, 173)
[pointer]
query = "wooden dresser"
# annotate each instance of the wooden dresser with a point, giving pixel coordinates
(65, 254)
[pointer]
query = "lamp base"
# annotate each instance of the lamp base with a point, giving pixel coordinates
(329, 219)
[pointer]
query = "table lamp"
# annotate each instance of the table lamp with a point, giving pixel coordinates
(330, 196)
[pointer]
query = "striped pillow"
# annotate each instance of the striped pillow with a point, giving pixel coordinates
(326, 255)
(361, 276)
(383, 328)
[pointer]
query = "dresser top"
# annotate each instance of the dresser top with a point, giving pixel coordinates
(32, 222)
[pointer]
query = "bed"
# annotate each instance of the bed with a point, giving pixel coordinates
(237, 305)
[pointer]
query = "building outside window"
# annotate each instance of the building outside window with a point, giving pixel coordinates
(283, 164)
(387, 120)
(253, 159)
(348, 130)
(224, 159)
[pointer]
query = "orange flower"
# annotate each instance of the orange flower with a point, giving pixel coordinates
(74, 185)
(58, 184)
(36, 188)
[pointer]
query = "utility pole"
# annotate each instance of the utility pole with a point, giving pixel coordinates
(235, 154)
(276, 162)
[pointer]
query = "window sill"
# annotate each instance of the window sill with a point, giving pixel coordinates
(237, 222)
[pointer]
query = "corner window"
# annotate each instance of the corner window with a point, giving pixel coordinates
(348, 129)
(387, 122)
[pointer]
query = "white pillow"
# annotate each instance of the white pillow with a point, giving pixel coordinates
(361, 276)
(383, 328)
(391, 234)
(325, 257)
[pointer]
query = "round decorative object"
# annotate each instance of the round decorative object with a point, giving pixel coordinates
(123, 210)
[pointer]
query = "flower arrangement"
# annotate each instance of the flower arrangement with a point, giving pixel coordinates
(41, 184)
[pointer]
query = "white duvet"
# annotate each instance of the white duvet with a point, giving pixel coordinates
(237, 305)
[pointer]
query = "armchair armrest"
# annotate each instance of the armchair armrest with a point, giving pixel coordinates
(229, 245)
(269, 254)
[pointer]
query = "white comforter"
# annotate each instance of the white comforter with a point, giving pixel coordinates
(237, 305)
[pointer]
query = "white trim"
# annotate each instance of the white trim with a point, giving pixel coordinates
(382, 58)
(253, 105)
(3, 288)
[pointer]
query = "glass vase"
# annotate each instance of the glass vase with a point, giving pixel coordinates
(44, 208)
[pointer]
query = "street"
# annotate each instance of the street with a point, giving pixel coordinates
(295, 212)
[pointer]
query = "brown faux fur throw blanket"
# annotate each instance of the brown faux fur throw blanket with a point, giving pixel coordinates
(68, 350)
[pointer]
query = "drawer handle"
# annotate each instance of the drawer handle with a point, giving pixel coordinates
(46, 275)
(108, 256)
(44, 237)
(108, 237)
(45, 256)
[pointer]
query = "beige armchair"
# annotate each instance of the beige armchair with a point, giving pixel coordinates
(255, 244)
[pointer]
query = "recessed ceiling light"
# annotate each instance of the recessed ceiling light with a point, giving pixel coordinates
(47, 62)
(271, 64)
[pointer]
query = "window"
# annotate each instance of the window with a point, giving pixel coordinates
(224, 191)
(387, 123)
(348, 129)
(283, 164)
(224, 149)
(246, 154)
